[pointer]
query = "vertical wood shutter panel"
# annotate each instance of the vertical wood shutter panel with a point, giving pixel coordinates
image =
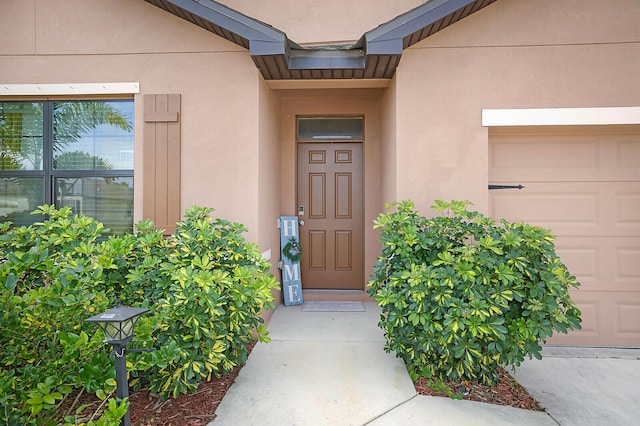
(161, 156)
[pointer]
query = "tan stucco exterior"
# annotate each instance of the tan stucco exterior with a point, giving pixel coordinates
(424, 138)
(516, 54)
(322, 22)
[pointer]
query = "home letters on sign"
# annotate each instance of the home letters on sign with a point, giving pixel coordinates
(289, 247)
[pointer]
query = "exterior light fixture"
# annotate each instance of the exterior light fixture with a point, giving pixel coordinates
(118, 324)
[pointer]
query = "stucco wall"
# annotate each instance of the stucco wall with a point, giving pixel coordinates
(512, 54)
(97, 27)
(389, 134)
(93, 41)
(326, 21)
(269, 176)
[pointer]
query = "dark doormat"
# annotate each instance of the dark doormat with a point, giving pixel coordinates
(314, 306)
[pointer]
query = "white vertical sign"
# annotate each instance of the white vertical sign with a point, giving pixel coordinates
(291, 279)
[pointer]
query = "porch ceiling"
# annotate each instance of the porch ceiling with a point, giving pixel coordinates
(374, 56)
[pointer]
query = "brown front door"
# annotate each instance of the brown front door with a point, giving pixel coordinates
(330, 207)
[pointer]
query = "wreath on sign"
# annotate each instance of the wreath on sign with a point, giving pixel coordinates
(292, 250)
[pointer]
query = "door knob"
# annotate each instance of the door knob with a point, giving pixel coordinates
(301, 223)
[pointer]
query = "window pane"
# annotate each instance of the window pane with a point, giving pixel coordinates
(93, 135)
(18, 198)
(109, 199)
(21, 127)
(331, 128)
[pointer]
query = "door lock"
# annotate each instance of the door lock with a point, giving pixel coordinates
(301, 210)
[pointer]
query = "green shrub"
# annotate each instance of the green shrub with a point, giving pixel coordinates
(49, 272)
(205, 287)
(462, 296)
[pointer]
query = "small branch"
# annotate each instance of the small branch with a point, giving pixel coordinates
(100, 406)
(160, 403)
(75, 401)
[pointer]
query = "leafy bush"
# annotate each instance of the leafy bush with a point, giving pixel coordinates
(462, 296)
(49, 271)
(205, 287)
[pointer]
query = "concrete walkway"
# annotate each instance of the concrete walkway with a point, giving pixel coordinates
(329, 368)
(585, 386)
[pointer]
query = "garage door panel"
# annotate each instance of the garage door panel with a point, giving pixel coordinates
(627, 206)
(628, 155)
(554, 153)
(628, 318)
(537, 205)
(583, 259)
(608, 319)
(571, 158)
(602, 263)
(573, 208)
(584, 185)
(591, 306)
(627, 267)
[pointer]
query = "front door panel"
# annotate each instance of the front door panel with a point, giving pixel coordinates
(330, 199)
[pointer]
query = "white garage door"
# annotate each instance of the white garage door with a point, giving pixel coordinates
(584, 185)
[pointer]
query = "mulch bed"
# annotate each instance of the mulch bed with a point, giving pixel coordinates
(507, 392)
(148, 410)
(197, 409)
(186, 410)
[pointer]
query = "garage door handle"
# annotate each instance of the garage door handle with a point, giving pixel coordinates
(506, 186)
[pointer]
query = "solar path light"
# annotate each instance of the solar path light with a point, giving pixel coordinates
(118, 324)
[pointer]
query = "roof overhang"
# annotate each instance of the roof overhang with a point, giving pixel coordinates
(375, 55)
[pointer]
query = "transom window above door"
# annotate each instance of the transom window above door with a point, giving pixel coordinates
(330, 128)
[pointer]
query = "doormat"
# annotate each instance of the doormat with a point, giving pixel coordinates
(314, 306)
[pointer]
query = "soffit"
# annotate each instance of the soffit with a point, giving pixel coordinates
(375, 55)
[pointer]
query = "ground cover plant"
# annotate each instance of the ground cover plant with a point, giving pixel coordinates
(205, 287)
(462, 295)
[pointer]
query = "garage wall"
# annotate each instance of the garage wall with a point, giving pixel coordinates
(511, 54)
(526, 54)
(583, 183)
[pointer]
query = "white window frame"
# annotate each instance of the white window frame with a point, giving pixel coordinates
(78, 89)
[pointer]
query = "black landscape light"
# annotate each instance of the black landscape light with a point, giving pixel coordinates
(118, 324)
